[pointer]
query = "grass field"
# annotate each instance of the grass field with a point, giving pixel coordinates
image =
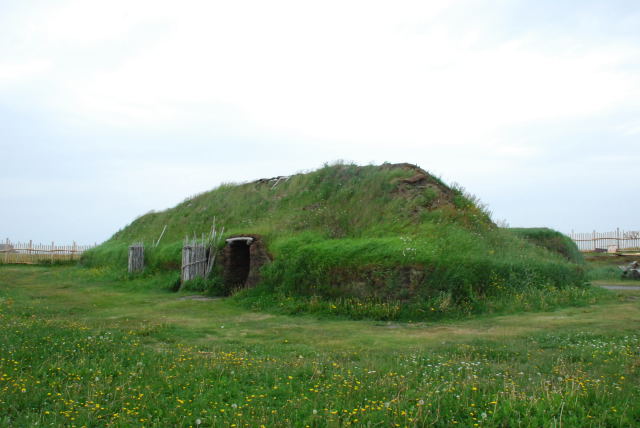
(604, 268)
(80, 348)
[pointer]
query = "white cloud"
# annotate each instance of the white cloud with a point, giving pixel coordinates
(84, 23)
(351, 74)
(630, 128)
(438, 83)
(15, 73)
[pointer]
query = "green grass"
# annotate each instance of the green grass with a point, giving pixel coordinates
(82, 347)
(604, 267)
(553, 241)
(370, 236)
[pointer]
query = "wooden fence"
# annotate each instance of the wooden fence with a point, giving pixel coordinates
(136, 257)
(30, 253)
(593, 241)
(194, 260)
(199, 255)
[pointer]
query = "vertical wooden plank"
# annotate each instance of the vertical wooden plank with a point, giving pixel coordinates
(189, 262)
(626, 242)
(580, 244)
(183, 273)
(621, 238)
(136, 257)
(185, 260)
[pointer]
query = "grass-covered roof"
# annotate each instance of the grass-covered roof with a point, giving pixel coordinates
(375, 232)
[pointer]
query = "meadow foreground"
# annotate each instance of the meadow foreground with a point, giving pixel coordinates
(79, 349)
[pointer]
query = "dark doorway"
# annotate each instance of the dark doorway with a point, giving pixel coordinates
(241, 259)
(239, 262)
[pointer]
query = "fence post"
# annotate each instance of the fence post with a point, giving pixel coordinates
(136, 257)
(187, 255)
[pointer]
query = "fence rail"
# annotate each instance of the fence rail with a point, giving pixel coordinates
(30, 253)
(594, 241)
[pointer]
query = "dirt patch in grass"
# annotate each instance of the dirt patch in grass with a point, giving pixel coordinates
(199, 298)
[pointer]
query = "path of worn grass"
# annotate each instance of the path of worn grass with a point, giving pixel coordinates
(78, 350)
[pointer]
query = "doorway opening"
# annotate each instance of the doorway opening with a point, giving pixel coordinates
(239, 260)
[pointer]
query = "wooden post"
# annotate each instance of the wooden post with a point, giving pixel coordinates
(161, 235)
(183, 261)
(136, 258)
(187, 259)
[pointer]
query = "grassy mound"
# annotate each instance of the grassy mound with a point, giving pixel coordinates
(386, 239)
(552, 241)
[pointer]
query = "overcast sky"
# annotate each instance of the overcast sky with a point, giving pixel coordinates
(111, 109)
